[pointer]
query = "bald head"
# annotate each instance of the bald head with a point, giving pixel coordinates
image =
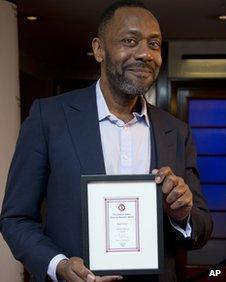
(110, 11)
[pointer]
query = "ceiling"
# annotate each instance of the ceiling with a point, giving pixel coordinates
(66, 27)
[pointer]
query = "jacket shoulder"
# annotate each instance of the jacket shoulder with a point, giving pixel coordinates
(68, 96)
(52, 106)
(167, 118)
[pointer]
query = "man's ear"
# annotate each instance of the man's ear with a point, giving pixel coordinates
(98, 49)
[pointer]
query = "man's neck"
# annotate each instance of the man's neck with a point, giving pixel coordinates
(120, 104)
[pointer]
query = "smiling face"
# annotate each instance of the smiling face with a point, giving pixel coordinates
(129, 51)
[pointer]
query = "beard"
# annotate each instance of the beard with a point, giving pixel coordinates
(120, 83)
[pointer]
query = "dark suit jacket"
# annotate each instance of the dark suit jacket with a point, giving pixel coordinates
(59, 142)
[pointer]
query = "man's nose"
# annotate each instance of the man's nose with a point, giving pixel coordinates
(143, 52)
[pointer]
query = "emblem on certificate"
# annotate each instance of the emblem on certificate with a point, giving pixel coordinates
(122, 224)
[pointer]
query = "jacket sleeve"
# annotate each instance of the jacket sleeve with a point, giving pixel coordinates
(200, 220)
(20, 221)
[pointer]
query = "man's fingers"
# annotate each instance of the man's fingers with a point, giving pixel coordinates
(83, 272)
(108, 278)
(161, 173)
(74, 270)
(185, 201)
(73, 277)
(175, 193)
(90, 278)
(170, 182)
(66, 272)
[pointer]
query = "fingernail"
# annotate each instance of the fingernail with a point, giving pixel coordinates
(119, 278)
(154, 171)
(90, 278)
(157, 179)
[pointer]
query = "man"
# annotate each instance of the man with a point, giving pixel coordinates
(83, 132)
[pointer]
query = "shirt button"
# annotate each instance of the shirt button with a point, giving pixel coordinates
(125, 157)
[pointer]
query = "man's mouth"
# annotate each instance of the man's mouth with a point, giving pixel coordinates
(141, 72)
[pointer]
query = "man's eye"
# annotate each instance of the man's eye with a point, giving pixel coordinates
(155, 44)
(130, 41)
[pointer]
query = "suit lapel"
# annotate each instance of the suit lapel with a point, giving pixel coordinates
(82, 119)
(164, 138)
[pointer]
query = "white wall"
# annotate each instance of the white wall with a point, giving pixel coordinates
(10, 269)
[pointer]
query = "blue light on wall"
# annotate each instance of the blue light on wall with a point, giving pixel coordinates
(208, 112)
(207, 118)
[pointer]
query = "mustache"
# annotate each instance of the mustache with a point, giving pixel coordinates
(139, 65)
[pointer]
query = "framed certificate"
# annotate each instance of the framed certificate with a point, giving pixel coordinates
(122, 224)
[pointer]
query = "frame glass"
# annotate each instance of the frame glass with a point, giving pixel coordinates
(122, 224)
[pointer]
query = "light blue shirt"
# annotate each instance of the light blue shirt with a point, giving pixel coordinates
(126, 146)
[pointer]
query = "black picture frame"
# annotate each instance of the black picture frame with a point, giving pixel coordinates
(88, 179)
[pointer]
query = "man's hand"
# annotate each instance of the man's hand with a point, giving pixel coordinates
(177, 199)
(73, 270)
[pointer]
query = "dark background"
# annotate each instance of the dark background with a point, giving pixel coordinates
(54, 58)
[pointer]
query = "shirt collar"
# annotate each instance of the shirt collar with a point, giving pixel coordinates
(103, 111)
